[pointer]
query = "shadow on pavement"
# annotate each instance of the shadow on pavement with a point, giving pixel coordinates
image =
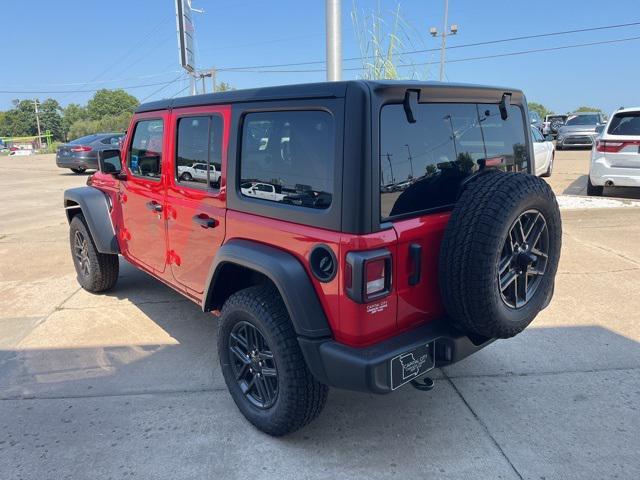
(579, 187)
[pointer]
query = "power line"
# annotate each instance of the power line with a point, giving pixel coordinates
(466, 45)
(468, 59)
(130, 87)
(179, 77)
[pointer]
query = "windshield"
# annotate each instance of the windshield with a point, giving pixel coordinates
(423, 164)
(583, 120)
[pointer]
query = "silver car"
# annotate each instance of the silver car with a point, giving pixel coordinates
(580, 130)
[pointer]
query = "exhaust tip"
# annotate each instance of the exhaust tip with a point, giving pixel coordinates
(608, 183)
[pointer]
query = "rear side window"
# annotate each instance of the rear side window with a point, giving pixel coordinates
(288, 157)
(81, 140)
(423, 164)
(199, 152)
(145, 153)
(627, 123)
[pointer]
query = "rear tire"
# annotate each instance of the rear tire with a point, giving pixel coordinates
(500, 253)
(96, 271)
(78, 171)
(594, 190)
(287, 398)
(186, 177)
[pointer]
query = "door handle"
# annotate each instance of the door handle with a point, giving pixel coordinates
(154, 206)
(204, 221)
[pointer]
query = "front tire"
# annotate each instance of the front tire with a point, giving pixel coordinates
(186, 177)
(96, 271)
(262, 364)
(79, 171)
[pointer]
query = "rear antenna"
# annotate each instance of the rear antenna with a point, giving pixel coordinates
(504, 105)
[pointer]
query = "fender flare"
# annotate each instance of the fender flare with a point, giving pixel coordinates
(95, 208)
(286, 273)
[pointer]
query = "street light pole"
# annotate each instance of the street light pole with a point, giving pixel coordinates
(35, 104)
(443, 46)
(334, 40)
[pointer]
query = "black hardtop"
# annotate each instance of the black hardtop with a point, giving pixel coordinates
(447, 92)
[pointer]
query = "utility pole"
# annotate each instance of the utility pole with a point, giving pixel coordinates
(334, 40)
(35, 104)
(410, 157)
(452, 31)
(393, 177)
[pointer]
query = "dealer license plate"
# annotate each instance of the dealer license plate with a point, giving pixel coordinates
(412, 364)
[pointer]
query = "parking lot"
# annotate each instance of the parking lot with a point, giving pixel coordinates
(127, 384)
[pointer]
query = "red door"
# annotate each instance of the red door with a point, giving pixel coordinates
(196, 203)
(142, 194)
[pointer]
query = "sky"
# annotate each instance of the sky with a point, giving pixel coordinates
(56, 49)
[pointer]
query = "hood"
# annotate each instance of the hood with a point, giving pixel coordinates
(577, 129)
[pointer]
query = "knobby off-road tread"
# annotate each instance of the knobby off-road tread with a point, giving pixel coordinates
(477, 228)
(103, 267)
(301, 397)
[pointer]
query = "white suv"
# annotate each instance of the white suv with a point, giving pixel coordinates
(615, 157)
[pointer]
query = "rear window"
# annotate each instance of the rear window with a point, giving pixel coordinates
(627, 123)
(288, 157)
(423, 164)
(81, 140)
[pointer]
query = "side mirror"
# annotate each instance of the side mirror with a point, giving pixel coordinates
(109, 161)
(600, 128)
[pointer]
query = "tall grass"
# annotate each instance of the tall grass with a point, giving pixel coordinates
(382, 37)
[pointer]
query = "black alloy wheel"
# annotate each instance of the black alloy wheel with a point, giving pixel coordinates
(253, 365)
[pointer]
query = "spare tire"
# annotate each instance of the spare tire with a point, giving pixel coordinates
(500, 253)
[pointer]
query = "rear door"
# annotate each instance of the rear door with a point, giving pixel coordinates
(196, 208)
(142, 193)
(422, 168)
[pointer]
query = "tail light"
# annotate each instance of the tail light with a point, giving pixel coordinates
(81, 148)
(368, 275)
(613, 146)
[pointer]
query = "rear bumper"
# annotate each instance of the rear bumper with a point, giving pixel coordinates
(602, 173)
(368, 369)
(76, 162)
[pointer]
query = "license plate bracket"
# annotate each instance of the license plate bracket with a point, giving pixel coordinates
(411, 364)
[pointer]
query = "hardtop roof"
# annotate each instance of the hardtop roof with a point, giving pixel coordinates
(303, 91)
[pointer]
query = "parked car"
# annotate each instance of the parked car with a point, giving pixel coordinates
(552, 124)
(544, 152)
(362, 288)
(615, 157)
(579, 130)
(198, 172)
(536, 120)
(266, 191)
(81, 154)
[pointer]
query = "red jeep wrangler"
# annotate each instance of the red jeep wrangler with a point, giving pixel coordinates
(351, 234)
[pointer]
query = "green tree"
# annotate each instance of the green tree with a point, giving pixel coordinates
(110, 102)
(51, 118)
(108, 123)
(20, 121)
(72, 114)
(588, 109)
(541, 109)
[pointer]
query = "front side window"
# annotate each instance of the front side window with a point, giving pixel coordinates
(627, 123)
(288, 157)
(145, 153)
(199, 152)
(423, 164)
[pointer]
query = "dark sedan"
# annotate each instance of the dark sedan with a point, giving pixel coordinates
(82, 153)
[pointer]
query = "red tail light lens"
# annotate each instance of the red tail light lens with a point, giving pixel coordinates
(81, 148)
(375, 276)
(368, 275)
(611, 146)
